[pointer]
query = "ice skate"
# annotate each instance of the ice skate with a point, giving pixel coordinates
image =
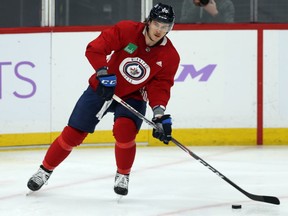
(39, 179)
(121, 184)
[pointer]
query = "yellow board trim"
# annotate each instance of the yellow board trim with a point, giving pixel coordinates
(197, 137)
(275, 136)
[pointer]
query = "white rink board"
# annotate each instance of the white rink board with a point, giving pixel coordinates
(228, 98)
(276, 79)
(71, 71)
(225, 99)
(25, 83)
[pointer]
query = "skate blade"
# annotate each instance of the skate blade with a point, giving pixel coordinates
(119, 198)
(30, 192)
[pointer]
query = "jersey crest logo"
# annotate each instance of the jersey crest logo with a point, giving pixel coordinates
(130, 48)
(134, 70)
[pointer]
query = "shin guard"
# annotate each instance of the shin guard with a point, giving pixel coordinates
(62, 146)
(124, 131)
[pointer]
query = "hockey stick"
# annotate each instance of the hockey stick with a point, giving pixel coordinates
(105, 106)
(260, 198)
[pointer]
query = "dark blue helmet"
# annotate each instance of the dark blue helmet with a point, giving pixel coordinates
(162, 13)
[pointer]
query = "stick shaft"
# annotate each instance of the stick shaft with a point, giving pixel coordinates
(267, 199)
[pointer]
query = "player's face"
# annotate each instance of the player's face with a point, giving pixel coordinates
(157, 30)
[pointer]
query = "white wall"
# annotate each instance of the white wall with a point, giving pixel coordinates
(276, 79)
(25, 83)
(220, 90)
(228, 97)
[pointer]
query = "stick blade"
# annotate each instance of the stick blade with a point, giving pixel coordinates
(272, 200)
(266, 199)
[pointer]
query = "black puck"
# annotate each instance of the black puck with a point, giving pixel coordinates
(236, 206)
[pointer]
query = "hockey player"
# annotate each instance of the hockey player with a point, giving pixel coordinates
(141, 68)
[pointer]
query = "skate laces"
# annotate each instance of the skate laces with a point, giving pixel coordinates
(41, 177)
(121, 180)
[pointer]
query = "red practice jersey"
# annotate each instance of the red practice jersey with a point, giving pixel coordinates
(142, 72)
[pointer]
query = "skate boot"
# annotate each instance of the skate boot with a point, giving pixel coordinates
(121, 184)
(39, 179)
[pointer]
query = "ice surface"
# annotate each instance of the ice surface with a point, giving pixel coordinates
(164, 181)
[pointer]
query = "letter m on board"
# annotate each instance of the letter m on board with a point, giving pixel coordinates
(204, 73)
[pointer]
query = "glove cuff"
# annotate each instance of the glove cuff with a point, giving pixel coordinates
(158, 111)
(102, 71)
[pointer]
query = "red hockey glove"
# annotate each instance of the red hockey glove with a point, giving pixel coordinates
(164, 128)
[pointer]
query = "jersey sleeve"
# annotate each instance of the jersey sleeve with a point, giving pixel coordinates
(158, 89)
(97, 50)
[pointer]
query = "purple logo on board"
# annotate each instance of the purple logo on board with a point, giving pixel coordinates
(16, 69)
(189, 69)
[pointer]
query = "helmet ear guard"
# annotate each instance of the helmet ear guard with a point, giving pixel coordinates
(162, 13)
